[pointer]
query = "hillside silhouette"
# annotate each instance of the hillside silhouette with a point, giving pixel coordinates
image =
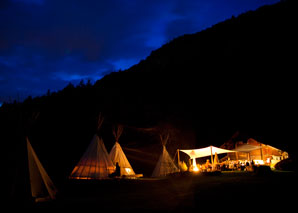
(237, 75)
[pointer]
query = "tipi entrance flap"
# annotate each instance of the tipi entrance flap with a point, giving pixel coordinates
(41, 184)
(95, 163)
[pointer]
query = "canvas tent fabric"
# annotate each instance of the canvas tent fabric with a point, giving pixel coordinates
(95, 163)
(117, 156)
(42, 187)
(247, 148)
(204, 152)
(165, 165)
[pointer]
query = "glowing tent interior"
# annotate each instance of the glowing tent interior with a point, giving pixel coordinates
(165, 164)
(95, 163)
(257, 151)
(204, 152)
(117, 155)
(42, 187)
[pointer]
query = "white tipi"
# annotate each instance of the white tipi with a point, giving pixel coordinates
(42, 187)
(117, 155)
(95, 163)
(165, 164)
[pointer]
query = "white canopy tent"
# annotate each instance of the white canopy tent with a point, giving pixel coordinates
(204, 152)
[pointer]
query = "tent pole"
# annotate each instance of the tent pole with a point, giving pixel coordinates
(211, 157)
(178, 157)
(261, 149)
(236, 145)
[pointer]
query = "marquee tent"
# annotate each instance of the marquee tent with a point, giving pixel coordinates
(259, 152)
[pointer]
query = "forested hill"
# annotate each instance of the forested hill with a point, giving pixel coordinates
(238, 75)
(244, 63)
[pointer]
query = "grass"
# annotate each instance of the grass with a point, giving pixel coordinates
(181, 193)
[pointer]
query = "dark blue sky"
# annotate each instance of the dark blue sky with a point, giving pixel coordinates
(45, 44)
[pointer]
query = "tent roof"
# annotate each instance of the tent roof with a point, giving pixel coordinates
(203, 152)
(247, 148)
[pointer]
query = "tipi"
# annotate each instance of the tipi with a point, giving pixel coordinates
(95, 163)
(42, 187)
(117, 155)
(165, 164)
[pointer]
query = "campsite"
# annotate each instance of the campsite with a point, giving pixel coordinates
(173, 186)
(220, 137)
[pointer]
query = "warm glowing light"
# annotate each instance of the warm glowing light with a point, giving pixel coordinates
(268, 160)
(194, 165)
(195, 169)
(259, 162)
(128, 170)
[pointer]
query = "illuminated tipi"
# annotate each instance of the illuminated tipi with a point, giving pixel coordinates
(117, 155)
(165, 164)
(96, 162)
(42, 187)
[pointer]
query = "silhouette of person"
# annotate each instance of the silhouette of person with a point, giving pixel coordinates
(117, 172)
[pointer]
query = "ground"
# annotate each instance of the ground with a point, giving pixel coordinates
(227, 190)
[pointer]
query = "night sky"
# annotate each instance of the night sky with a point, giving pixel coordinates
(45, 44)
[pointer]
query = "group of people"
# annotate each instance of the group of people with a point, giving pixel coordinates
(237, 166)
(225, 166)
(206, 167)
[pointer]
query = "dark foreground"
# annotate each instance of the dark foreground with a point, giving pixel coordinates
(225, 191)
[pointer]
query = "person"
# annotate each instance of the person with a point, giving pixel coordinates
(247, 166)
(117, 171)
(253, 165)
(208, 165)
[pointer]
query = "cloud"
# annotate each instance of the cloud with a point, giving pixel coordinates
(44, 44)
(123, 63)
(38, 2)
